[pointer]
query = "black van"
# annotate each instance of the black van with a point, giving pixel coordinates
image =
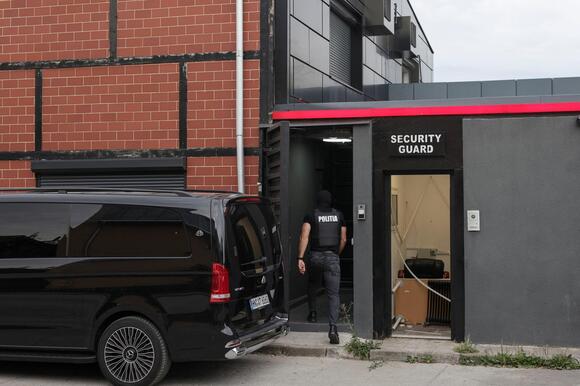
(136, 280)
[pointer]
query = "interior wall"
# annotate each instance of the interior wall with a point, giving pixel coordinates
(306, 179)
(431, 226)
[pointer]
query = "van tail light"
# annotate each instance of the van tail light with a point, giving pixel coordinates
(220, 284)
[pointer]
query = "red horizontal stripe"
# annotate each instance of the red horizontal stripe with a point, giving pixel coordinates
(528, 108)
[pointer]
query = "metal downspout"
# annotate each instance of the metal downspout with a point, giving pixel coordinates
(240, 93)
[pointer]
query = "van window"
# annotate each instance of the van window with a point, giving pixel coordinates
(200, 235)
(127, 231)
(33, 230)
(254, 235)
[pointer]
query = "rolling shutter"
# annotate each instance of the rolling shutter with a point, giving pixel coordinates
(340, 48)
(124, 180)
(155, 173)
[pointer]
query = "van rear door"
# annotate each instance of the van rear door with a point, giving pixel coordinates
(253, 258)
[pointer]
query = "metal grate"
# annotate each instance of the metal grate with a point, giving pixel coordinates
(143, 181)
(438, 309)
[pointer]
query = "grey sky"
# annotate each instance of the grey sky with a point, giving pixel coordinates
(502, 39)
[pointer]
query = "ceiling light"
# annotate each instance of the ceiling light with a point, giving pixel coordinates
(337, 140)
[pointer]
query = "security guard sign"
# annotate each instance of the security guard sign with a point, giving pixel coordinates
(417, 144)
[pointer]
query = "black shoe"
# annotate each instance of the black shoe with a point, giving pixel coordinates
(333, 335)
(311, 317)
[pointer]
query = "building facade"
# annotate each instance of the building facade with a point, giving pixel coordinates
(478, 177)
(126, 93)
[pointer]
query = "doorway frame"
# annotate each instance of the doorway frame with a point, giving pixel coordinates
(362, 133)
(383, 304)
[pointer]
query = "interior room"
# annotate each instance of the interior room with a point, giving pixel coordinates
(420, 256)
(320, 158)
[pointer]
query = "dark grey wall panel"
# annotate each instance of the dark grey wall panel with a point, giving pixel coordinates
(400, 92)
(363, 231)
(319, 52)
(333, 91)
(464, 90)
(498, 88)
(522, 269)
(307, 82)
(299, 40)
(309, 12)
(534, 87)
(567, 86)
(431, 91)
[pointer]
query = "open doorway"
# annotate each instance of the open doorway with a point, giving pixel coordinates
(420, 224)
(320, 158)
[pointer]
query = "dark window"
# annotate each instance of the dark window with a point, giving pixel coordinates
(346, 49)
(387, 9)
(413, 35)
(255, 235)
(127, 231)
(200, 234)
(33, 230)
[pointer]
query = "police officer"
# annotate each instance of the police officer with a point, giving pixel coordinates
(326, 230)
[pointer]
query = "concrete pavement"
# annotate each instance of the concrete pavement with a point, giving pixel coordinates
(280, 371)
(315, 344)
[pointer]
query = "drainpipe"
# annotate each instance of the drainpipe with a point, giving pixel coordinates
(240, 93)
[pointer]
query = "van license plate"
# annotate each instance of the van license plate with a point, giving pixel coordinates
(259, 302)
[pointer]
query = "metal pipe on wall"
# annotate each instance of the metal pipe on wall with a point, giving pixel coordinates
(240, 93)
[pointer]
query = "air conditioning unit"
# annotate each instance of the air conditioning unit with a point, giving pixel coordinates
(380, 18)
(405, 39)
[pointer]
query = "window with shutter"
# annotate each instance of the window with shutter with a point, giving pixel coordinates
(340, 49)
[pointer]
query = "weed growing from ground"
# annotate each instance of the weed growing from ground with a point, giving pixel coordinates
(420, 359)
(375, 365)
(361, 348)
(466, 347)
(521, 359)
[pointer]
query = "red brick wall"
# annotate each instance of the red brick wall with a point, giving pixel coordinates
(161, 27)
(32, 30)
(16, 174)
(220, 173)
(121, 107)
(16, 110)
(212, 103)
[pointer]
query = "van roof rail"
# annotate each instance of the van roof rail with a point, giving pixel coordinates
(73, 189)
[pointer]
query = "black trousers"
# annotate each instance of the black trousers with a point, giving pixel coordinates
(324, 265)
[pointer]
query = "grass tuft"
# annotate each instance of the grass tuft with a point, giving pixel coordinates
(466, 347)
(427, 358)
(523, 360)
(361, 348)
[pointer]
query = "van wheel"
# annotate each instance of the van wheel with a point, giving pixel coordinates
(132, 352)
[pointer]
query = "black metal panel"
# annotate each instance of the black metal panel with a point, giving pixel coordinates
(276, 180)
(38, 110)
(128, 180)
(384, 165)
(281, 53)
(458, 257)
(113, 29)
(70, 63)
(266, 60)
(183, 105)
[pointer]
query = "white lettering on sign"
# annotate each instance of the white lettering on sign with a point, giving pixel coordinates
(416, 149)
(416, 138)
(327, 218)
(410, 144)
